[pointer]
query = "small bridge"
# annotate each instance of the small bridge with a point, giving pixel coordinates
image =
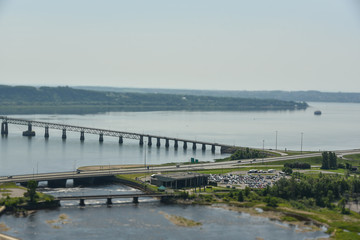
(104, 132)
(109, 197)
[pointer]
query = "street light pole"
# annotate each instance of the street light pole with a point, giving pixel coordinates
(145, 156)
(301, 142)
(263, 152)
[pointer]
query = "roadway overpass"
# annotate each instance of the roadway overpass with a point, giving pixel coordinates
(80, 177)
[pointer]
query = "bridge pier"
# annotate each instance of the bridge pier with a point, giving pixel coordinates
(158, 142)
(203, 147)
(194, 146)
(4, 128)
(108, 201)
(46, 135)
(101, 137)
(63, 133)
(185, 145)
(213, 148)
(141, 141)
(135, 199)
(82, 202)
(167, 143)
(149, 141)
(121, 140)
(61, 183)
(82, 136)
(29, 132)
(176, 145)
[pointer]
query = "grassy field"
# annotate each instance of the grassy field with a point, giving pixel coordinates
(310, 160)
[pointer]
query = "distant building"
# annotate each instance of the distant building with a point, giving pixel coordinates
(180, 180)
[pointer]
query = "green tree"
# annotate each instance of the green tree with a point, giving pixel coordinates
(31, 190)
(287, 170)
(325, 160)
(332, 160)
(240, 196)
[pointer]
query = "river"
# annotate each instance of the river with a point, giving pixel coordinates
(336, 128)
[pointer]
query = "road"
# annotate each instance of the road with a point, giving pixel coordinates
(155, 169)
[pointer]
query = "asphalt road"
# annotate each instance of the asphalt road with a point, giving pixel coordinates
(190, 167)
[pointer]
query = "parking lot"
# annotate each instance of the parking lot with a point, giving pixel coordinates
(252, 179)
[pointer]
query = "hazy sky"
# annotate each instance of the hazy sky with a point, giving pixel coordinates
(198, 44)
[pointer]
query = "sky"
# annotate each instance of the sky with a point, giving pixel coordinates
(187, 44)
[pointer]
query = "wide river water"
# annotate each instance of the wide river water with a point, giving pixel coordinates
(337, 128)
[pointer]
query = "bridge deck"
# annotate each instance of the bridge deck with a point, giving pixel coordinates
(104, 132)
(89, 197)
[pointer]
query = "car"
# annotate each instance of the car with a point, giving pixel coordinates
(239, 161)
(9, 177)
(78, 172)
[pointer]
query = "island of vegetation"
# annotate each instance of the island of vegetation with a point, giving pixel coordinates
(66, 100)
(19, 200)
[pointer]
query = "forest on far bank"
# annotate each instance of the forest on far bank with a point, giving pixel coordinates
(66, 100)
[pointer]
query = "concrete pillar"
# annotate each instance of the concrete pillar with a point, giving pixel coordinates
(149, 141)
(101, 137)
(167, 143)
(158, 142)
(29, 132)
(4, 128)
(141, 141)
(82, 202)
(203, 147)
(213, 148)
(121, 140)
(82, 136)
(108, 201)
(176, 145)
(135, 199)
(63, 133)
(185, 145)
(194, 146)
(46, 135)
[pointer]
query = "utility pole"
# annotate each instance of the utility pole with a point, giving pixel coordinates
(263, 152)
(276, 140)
(301, 142)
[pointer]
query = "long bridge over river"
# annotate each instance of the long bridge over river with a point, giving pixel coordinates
(104, 132)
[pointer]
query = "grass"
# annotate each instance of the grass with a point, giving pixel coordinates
(310, 160)
(10, 185)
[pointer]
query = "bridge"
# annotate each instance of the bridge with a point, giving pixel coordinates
(104, 132)
(109, 197)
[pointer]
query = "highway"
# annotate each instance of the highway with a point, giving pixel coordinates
(156, 169)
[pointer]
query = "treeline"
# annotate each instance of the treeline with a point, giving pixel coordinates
(307, 96)
(247, 153)
(24, 100)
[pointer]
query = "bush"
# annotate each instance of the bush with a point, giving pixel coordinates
(298, 165)
(271, 201)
